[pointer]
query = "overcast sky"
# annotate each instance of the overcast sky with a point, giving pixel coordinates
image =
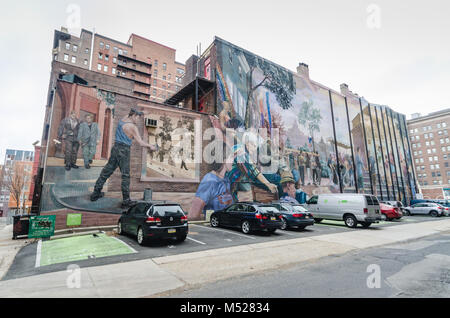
(395, 53)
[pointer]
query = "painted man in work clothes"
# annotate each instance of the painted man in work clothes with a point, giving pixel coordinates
(89, 137)
(120, 156)
(68, 131)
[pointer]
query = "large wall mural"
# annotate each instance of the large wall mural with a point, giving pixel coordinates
(328, 142)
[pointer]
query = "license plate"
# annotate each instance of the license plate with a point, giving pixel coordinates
(273, 218)
(171, 231)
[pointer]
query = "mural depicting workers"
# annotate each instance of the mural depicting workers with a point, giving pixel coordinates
(244, 172)
(214, 191)
(288, 185)
(88, 137)
(68, 133)
(126, 132)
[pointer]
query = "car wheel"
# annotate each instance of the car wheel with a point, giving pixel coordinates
(407, 212)
(141, 237)
(214, 221)
(434, 214)
(350, 221)
(119, 228)
(366, 224)
(245, 227)
(284, 225)
(181, 238)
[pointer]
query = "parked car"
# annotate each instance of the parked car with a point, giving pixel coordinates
(425, 208)
(445, 210)
(294, 215)
(391, 212)
(397, 204)
(154, 220)
(351, 208)
(249, 217)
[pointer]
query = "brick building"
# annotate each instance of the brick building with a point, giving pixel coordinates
(430, 143)
(151, 67)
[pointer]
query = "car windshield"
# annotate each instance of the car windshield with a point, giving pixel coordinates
(268, 209)
(166, 210)
(299, 208)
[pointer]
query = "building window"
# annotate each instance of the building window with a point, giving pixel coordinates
(99, 67)
(67, 46)
(120, 52)
(155, 73)
(155, 82)
(125, 52)
(86, 51)
(114, 60)
(107, 46)
(156, 63)
(180, 71)
(66, 57)
(100, 56)
(74, 59)
(115, 49)
(164, 66)
(106, 57)
(102, 45)
(113, 70)
(85, 62)
(75, 48)
(105, 68)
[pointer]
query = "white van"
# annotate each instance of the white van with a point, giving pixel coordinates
(351, 208)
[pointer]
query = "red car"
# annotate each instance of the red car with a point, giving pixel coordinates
(390, 211)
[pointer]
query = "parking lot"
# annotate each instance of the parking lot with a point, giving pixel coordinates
(201, 237)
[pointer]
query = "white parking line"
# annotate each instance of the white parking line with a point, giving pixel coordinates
(285, 232)
(196, 241)
(216, 229)
(38, 254)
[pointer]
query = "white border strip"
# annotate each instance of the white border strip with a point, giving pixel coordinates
(38, 254)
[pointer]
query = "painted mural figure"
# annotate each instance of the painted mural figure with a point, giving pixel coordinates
(288, 185)
(214, 191)
(244, 173)
(68, 132)
(88, 137)
(126, 132)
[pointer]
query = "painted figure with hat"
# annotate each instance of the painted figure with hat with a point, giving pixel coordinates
(288, 185)
(126, 132)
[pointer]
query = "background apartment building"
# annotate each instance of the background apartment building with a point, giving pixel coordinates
(430, 145)
(12, 158)
(150, 66)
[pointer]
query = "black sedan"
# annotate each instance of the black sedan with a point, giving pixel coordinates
(154, 220)
(248, 216)
(294, 215)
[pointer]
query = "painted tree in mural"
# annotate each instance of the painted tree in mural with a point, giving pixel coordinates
(310, 118)
(277, 80)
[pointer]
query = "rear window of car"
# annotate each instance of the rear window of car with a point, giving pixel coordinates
(268, 209)
(166, 210)
(298, 208)
(371, 200)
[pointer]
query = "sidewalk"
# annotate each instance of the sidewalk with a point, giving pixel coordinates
(151, 277)
(8, 248)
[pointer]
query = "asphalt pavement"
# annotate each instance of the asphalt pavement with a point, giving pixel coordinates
(420, 268)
